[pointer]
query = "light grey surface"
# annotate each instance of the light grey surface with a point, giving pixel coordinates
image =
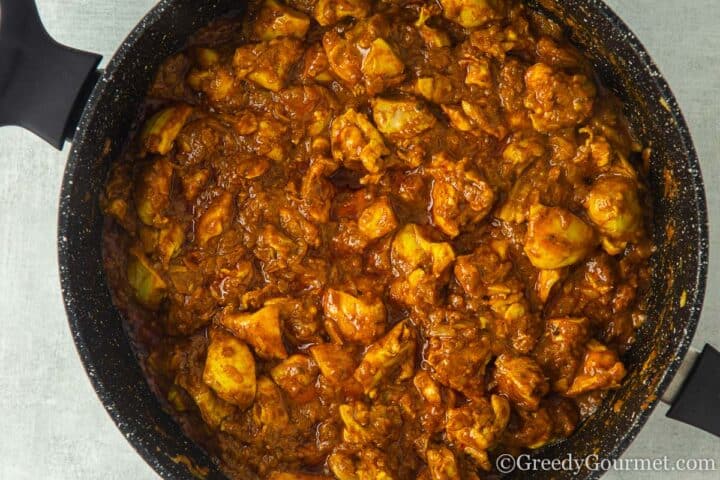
(52, 426)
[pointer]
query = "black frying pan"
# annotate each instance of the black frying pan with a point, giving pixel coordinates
(56, 92)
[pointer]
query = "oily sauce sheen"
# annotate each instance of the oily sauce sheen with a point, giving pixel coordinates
(379, 240)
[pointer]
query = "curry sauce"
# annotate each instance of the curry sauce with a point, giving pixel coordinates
(379, 240)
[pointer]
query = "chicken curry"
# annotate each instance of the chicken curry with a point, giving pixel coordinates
(361, 239)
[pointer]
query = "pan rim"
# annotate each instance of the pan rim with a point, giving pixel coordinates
(164, 465)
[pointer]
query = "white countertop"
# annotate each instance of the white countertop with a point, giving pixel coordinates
(52, 425)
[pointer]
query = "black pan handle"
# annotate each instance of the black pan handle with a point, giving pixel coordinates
(43, 84)
(697, 401)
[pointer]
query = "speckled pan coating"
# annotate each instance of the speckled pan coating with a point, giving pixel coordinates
(680, 265)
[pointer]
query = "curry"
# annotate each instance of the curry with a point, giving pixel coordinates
(379, 240)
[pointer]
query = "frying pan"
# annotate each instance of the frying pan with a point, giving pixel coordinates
(57, 93)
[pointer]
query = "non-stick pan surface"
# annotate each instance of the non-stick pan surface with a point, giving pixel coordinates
(680, 231)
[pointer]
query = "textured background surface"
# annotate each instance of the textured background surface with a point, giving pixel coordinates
(52, 425)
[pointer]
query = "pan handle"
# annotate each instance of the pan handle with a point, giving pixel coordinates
(43, 84)
(695, 398)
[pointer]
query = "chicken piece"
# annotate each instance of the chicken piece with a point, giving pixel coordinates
(159, 133)
(442, 464)
(232, 283)
(592, 290)
(375, 424)
(269, 410)
(477, 72)
(363, 58)
(393, 352)
(230, 369)
(427, 387)
(355, 319)
(270, 140)
(261, 329)
(344, 58)
(438, 89)
(411, 249)
(198, 141)
(521, 380)
(310, 108)
(561, 349)
(513, 321)
(298, 227)
(417, 288)
(595, 153)
(213, 409)
(495, 41)
(230, 171)
(169, 241)
(216, 82)
(477, 118)
(557, 100)
(470, 13)
(458, 120)
(381, 67)
(301, 319)
(486, 117)
(613, 206)
(368, 464)
(277, 20)
(347, 239)
(459, 195)
(316, 65)
(601, 370)
(152, 192)
(521, 151)
(356, 143)
(296, 375)
(402, 118)
(488, 276)
(193, 182)
(267, 63)
(457, 355)
(317, 192)
(342, 466)
(523, 195)
(556, 238)
(483, 272)
(378, 219)
(148, 286)
(215, 219)
(276, 249)
(476, 427)
(433, 37)
(546, 280)
(334, 361)
(296, 476)
(551, 53)
(329, 12)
